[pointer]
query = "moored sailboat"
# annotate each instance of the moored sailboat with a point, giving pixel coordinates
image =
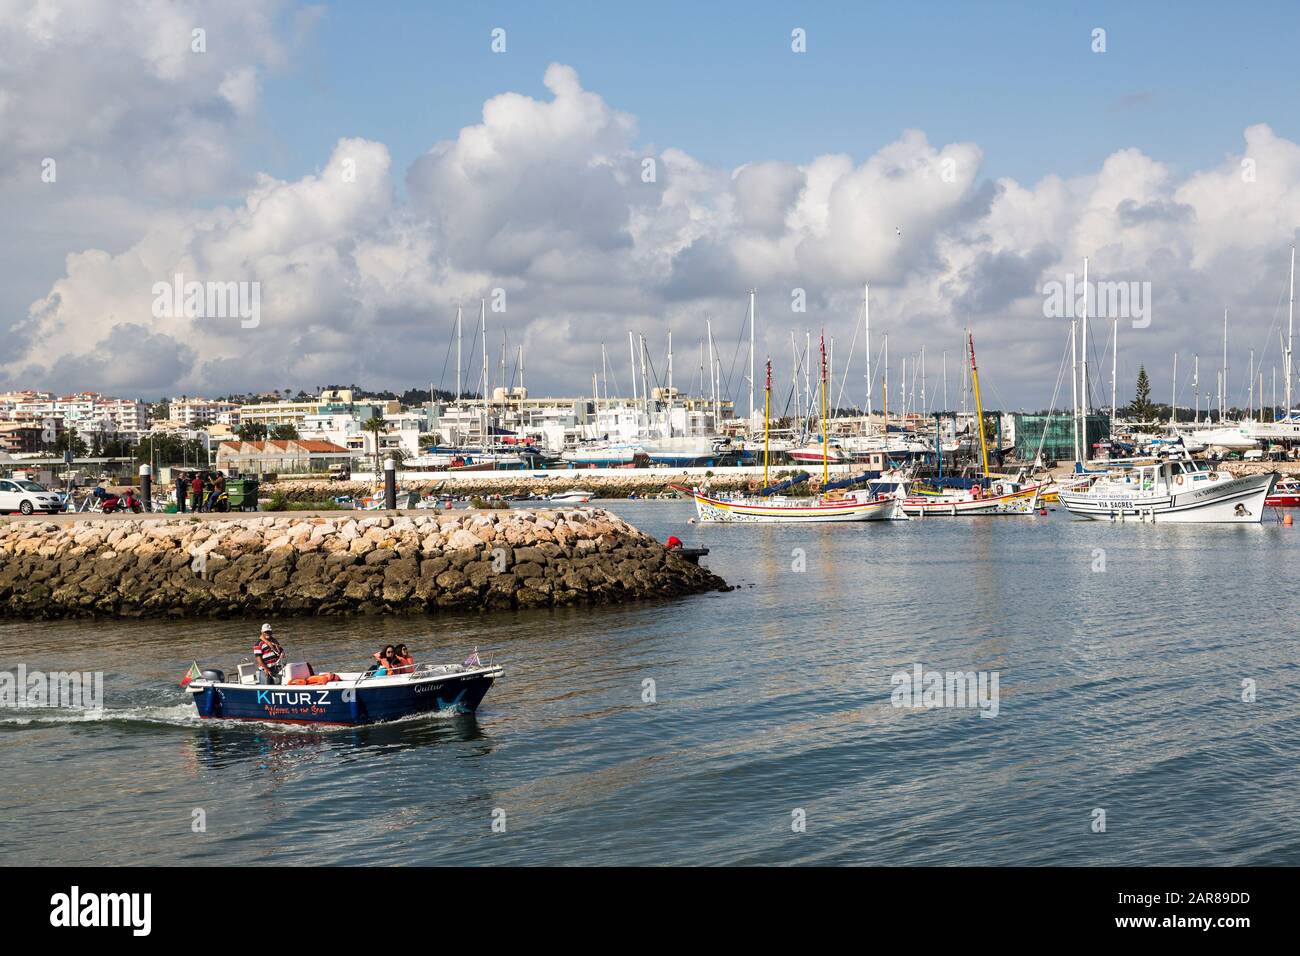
(833, 502)
(985, 495)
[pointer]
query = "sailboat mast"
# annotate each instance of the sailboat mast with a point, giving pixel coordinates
(1083, 366)
(826, 438)
(1250, 387)
(1173, 396)
(1074, 384)
(979, 407)
(866, 315)
(752, 409)
(645, 381)
(1114, 368)
(604, 372)
(902, 388)
(487, 415)
(459, 366)
(794, 355)
(767, 422)
(631, 351)
(670, 361)
(831, 359)
(1223, 376)
(1196, 386)
(713, 384)
(885, 388)
(1290, 333)
(945, 381)
(924, 406)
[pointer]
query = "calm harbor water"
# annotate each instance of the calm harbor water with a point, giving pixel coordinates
(1119, 689)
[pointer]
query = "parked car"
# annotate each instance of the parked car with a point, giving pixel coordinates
(27, 497)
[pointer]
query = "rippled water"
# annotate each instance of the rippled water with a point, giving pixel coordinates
(1119, 690)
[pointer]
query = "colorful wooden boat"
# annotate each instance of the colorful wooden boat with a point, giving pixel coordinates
(851, 506)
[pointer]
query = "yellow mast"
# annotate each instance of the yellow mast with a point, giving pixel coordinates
(826, 438)
(767, 421)
(979, 409)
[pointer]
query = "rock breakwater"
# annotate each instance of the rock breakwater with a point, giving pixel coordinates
(335, 563)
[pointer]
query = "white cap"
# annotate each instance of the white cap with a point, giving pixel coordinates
(266, 628)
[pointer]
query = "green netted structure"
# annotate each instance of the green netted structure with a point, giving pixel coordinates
(1059, 441)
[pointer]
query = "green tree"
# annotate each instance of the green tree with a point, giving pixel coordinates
(1141, 409)
(171, 449)
(376, 425)
(284, 433)
(251, 431)
(69, 440)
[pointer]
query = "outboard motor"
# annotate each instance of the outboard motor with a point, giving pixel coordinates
(215, 675)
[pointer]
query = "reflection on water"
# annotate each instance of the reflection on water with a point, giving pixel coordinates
(216, 747)
(1119, 689)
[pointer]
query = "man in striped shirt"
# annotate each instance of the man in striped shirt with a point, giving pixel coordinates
(269, 657)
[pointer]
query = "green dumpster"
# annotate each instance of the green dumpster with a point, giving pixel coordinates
(243, 493)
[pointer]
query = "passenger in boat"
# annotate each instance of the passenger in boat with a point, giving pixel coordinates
(385, 662)
(269, 657)
(405, 662)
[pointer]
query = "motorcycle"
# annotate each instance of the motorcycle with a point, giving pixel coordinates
(126, 502)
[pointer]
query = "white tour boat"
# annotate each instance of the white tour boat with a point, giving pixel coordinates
(1182, 490)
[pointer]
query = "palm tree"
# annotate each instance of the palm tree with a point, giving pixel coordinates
(375, 424)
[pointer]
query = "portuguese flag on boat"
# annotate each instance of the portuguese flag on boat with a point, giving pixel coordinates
(194, 674)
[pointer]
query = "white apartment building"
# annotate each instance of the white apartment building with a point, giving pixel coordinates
(87, 412)
(271, 414)
(196, 412)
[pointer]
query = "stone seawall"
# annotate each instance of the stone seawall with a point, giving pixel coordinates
(643, 482)
(352, 562)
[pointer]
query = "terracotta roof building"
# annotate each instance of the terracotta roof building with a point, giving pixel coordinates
(291, 456)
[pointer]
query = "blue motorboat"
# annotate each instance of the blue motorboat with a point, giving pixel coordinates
(348, 699)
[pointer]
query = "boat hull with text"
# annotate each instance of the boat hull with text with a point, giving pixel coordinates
(353, 699)
(1198, 499)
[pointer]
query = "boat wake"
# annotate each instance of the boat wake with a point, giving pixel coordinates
(174, 714)
(182, 715)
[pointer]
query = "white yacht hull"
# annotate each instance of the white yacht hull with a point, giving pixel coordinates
(1231, 501)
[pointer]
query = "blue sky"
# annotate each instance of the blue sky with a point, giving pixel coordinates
(1132, 157)
(1178, 80)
